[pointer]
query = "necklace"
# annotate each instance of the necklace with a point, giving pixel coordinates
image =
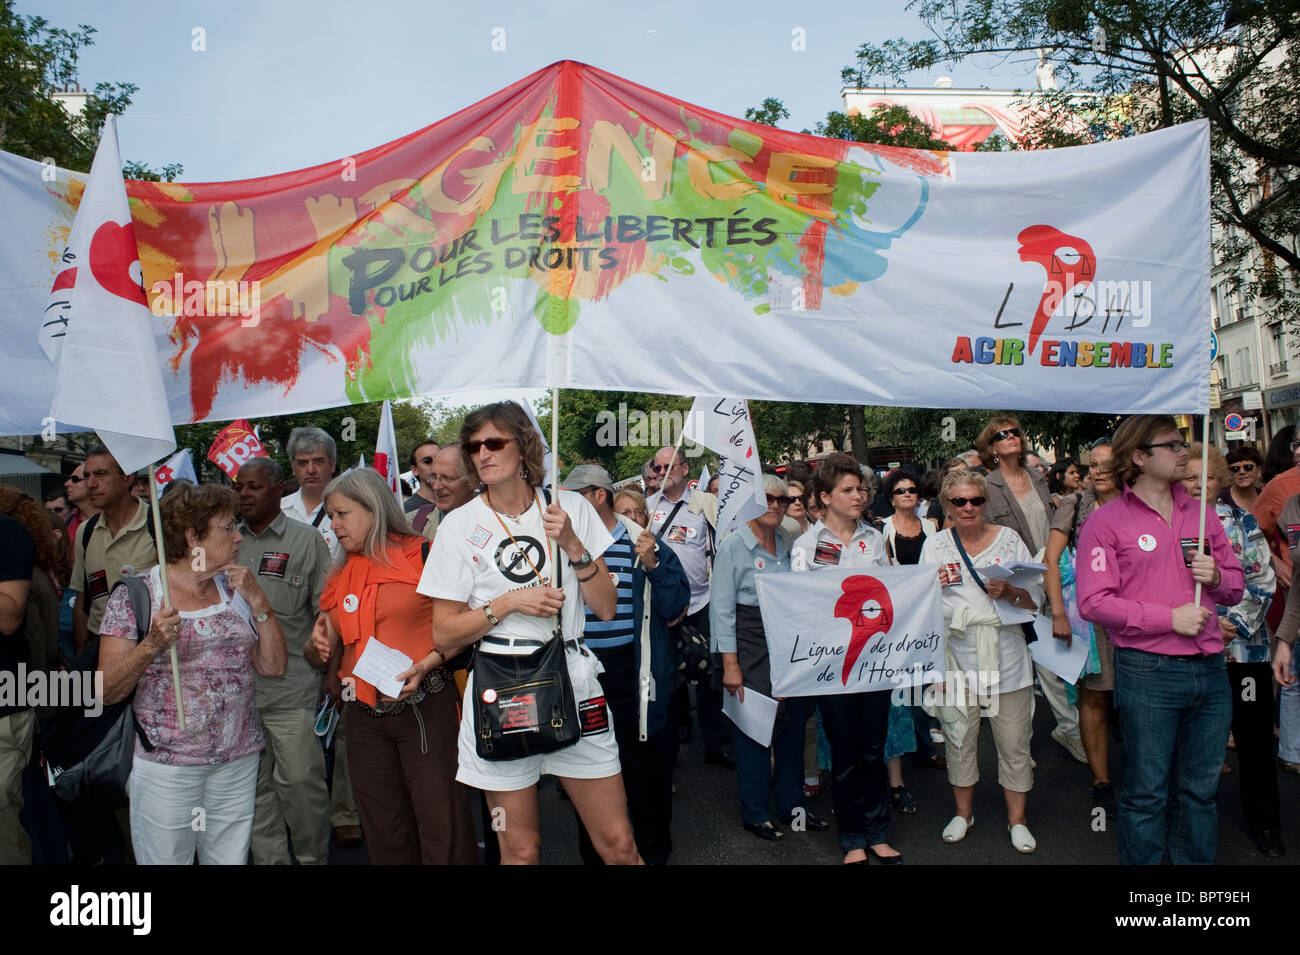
(487, 495)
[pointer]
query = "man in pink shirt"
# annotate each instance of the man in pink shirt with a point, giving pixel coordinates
(1138, 567)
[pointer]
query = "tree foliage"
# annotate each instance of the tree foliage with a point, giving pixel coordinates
(1126, 66)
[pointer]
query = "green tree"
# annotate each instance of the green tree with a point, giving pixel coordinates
(883, 126)
(770, 112)
(1131, 65)
(37, 59)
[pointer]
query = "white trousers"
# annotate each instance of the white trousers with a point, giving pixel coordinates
(177, 811)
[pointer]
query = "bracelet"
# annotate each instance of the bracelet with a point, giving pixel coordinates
(583, 580)
(492, 618)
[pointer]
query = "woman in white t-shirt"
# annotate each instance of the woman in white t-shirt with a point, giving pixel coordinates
(491, 573)
(987, 662)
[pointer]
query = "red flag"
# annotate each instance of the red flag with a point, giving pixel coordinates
(234, 447)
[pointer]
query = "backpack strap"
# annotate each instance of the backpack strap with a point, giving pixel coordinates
(142, 609)
(86, 528)
(669, 522)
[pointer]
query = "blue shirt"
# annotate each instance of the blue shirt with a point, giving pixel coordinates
(740, 559)
(621, 631)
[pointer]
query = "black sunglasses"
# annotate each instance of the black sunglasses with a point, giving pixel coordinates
(963, 501)
(427, 460)
(1236, 468)
(780, 500)
(492, 444)
(1006, 433)
(74, 479)
(898, 491)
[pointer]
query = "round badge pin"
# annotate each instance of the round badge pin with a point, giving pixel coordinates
(759, 563)
(1147, 542)
(692, 533)
(127, 570)
(350, 603)
(489, 695)
(614, 577)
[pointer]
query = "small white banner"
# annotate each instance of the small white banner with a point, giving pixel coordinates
(852, 630)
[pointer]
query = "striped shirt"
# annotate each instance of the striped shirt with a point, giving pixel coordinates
(621, 631)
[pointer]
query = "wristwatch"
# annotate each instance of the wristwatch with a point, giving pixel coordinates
(585, 561)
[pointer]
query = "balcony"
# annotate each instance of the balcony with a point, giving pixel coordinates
(1277, 368)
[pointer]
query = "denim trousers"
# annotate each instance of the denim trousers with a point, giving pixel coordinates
(1176, 713)
(1289, 717)
(755, 768)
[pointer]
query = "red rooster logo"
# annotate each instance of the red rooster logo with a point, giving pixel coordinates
(869, 611)
(1068, 261)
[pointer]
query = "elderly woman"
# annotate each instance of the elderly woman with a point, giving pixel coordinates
(631, 504)
(513, 574)
(856, 723)
(1245, 468)
(1247, 640)
(224, 630)
(402, 749)
(984, 658)
(759, 547)
(795, 521)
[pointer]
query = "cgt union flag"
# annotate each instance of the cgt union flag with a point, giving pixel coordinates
(853, 630)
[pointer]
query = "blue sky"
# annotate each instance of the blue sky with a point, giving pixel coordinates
(284, 84)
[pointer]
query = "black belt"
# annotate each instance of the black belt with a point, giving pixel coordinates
(506, 643)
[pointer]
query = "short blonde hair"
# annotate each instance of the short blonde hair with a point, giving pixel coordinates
(961, 476)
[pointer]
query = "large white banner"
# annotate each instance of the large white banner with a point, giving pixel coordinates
(579, 230)
(852, 630)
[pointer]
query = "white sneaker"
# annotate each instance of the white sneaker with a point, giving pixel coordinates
(1021, 838)
(1072, 743)
(955, 831)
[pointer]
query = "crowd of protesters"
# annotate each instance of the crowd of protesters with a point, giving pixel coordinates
(237, 671)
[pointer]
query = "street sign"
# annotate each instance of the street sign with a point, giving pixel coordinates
(1233, 422)
(1215, 398)
(1245, 433)
(1252, 400)
(1214, 346)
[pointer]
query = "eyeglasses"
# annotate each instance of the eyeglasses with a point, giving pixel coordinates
(781, 500)
(228, 528)
(900, 491)
(75, 479)
(1178, 447)
(492, 444)
(1238, 468)
(631, 511)
(1006, 433)
(657, 468)
(963, 501)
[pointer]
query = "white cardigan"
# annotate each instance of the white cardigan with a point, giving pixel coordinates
(928, 528)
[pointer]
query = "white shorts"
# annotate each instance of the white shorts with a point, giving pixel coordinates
(594, 756)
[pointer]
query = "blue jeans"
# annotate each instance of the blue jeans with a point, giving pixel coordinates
(754, 767)
(1176, 714)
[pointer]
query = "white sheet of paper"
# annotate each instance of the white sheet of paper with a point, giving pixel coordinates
(379, 666)
(1017, 573)
(1051, 653)
(755, 717)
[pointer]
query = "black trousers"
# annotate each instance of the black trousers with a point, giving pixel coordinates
(1252, 730)
(714, 727)
(647, 766)
(855, 725)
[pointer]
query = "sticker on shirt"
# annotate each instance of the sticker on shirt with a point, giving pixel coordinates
(1188, 544)
(759, 563)
(677, 535)
(692, 533)
(273, 564)
(593, 716)
(954, 574)
(518, 712)
(827, 552)
(350, 603)
(97, 584)
(1292, 535)
(1147, 542)
(296, 580)
(659, 517)
(479, 536)
(516, 558)
(128, 570)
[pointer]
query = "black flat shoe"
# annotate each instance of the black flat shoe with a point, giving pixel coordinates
(810, 823)
(765, 830)
(721, 758)
(1270, 843)
(884, 860)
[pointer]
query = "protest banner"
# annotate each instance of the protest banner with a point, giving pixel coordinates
(852, 630)
(234, 446)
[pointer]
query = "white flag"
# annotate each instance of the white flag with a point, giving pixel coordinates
(361, 461)
(546, 446)
(704, 478)
(853, 630)
(386, 452)
(723, 425)
(109, 378)
(180, 466)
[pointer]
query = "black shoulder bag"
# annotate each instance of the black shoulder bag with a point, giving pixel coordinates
(692, 646)
(524, 705)
(1027, 627)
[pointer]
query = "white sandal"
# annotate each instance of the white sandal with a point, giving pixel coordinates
(1021, 838)
(955, 831)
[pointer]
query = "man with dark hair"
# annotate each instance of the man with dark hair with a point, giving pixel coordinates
(636, 651)
(423, 456)
(1138, 571)
(290, 561)
(79, 498)
(56, 502)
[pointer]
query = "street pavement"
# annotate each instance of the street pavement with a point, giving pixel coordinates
(707, 831)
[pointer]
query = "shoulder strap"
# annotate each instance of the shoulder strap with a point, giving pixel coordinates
(966, 557)
(1078, 516)
(668, 523)
(424, 550)
(141, 603)
(320, 516)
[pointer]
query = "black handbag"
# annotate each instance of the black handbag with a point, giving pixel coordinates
(694, 662)
(524, 705)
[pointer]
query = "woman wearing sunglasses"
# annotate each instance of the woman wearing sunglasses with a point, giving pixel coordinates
(856, 724)
(759, 547)
(987, 663)
(1245, 467)
(510, 572)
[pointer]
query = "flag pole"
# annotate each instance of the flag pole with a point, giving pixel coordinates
(156, 507)
(1205, 463)
(555, 442)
